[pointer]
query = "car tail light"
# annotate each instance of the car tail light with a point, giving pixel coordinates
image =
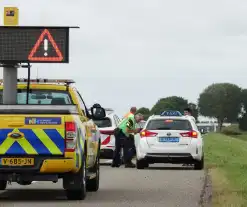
(147, 133)
(70, 136)
(106, 141)
(192, 134)
(107, 132)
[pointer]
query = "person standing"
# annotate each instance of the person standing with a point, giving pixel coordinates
(188, 112)
(132, 111)
(124, 139)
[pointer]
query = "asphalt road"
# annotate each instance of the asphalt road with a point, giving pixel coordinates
(160, 185)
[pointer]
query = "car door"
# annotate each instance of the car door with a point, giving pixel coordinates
(91, 155)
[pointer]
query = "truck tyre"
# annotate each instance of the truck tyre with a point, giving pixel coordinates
(78, 191)
(141, 164)
(3, 184)
(22, 182)
(93, 184)
(199, 165)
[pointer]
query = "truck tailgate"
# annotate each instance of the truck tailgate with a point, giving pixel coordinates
(33, 129)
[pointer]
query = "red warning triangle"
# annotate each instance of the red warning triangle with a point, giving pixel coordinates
(37, 46)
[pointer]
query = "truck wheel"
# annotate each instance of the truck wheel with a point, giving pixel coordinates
(75, 184)
(3, 184)
(93, 184)
(22, 182)
(199, 165)
(141, 164)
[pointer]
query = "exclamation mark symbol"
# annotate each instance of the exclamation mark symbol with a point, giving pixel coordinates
(45, 47)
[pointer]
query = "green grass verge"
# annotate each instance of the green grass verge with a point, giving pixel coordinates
(234, 131)
(226, 159)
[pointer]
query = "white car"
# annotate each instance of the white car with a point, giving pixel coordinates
(169, 138)
(106, 127)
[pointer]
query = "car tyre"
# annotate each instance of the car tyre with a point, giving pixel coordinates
(199, 165)
(93, 184)
(141, 164)
(79, 191)
(3, 184)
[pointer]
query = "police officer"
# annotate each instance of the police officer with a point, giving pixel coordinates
(124, 139)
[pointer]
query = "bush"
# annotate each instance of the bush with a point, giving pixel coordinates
(231, 130)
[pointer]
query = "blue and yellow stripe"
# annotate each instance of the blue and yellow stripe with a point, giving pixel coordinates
(35, 142)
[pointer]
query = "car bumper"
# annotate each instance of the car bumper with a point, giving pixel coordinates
(106, 152)
(176, 158)
(44, 165)
(189, 155)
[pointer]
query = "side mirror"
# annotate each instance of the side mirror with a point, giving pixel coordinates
(97, 112)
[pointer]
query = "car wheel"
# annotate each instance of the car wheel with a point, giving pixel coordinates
(141, 164)
(3, 184)
(93, 184)
(199, 165)
(75, 184)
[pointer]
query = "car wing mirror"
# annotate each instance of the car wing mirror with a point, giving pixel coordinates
(97, 112)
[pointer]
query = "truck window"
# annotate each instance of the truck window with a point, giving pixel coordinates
(42, 96)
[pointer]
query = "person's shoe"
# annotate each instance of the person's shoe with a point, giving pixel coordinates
(115, 165)
(130, 165)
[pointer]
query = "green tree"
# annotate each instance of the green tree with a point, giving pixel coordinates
(169, 103)
(145, 111)
(243, 120)
(244, 99)
(194, 109)
(221, 101)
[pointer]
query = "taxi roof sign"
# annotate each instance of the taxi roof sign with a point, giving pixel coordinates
(171, 113)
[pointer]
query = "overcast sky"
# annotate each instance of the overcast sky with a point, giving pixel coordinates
(134, 52)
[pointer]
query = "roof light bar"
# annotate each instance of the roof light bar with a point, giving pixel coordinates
(40, 80)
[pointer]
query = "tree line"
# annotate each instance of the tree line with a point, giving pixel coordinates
(225, 102)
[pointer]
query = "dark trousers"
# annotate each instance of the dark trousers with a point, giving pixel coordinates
(127, 143)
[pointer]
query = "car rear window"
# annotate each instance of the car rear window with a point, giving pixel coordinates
(43, 97)
(169, 124)
(106, 122)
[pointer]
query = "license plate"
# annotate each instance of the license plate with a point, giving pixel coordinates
(17, 161)
(168, 139)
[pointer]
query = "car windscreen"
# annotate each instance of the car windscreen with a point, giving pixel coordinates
(42, 96)
(102, 123)
(169, 124)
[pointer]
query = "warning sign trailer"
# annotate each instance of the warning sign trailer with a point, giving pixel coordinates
(25, 44)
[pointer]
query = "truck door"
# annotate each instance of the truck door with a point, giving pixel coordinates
(91, 154)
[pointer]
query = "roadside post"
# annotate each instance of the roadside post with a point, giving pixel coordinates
(22, 45)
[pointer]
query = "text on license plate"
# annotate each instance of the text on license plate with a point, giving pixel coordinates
(168, 139)
(17, 161)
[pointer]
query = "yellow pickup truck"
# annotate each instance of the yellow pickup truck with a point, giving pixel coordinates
(50, 134)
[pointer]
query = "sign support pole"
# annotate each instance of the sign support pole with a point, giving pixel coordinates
(11, 18)
(9, 84)
(28, 81)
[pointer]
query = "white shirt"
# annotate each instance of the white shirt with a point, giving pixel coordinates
(192, 117)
